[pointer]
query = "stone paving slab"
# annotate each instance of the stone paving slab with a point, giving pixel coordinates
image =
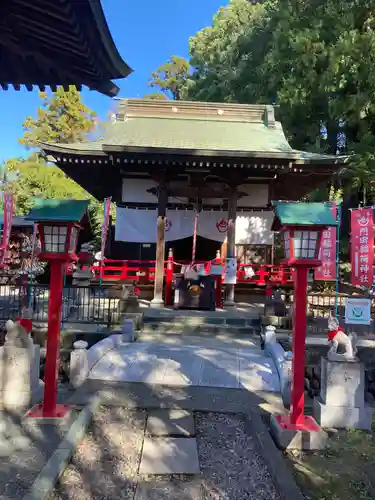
(169, 456)
(182, 365)
(170, 423)
(172, 489)
(139, 395)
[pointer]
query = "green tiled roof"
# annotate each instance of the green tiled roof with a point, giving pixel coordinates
(207, 135)
(17, 221)
(303, 214)
(200, 128)
(58, 210)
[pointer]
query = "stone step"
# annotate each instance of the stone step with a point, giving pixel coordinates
(203, 321)
(215, 341)
(168, 446)
(171, 327)
(170, 422)
(165, 455)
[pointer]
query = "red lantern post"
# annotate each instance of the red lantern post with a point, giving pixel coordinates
(301, 226)
(58, 229)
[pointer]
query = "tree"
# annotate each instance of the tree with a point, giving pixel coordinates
(313, 59)
(171, 77)
(62, 118)
(215, 53)
(156, 96)
(316, 61)
(35, 178)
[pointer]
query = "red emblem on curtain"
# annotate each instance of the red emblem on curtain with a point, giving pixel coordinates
(362, 246)
(222, 225)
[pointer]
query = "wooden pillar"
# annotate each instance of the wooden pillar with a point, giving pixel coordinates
(231, 243)
(157, 301)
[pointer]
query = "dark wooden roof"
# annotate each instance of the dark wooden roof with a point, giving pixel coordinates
(50, 43)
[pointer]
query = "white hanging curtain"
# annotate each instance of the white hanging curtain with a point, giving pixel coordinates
(139, 226)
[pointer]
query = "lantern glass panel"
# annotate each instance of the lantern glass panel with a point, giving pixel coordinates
(287, 244)
(55, 239)
(305, 244)
(73, 239)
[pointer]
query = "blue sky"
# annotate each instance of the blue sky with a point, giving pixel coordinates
(146, 33)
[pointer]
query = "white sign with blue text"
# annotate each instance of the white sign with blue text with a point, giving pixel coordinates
(357, 311)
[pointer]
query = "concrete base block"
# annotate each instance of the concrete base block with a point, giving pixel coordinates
(342, 417)
(157, 303)
(287, 439)
(342, 383)
(127, 337)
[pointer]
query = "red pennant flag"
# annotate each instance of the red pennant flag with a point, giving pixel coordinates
(362, 246)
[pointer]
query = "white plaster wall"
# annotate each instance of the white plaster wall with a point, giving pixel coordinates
(257, 195)
(135, 191)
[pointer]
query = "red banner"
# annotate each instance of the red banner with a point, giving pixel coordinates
(362, 246)
(107, 211)
(327, 253)
(7, 225)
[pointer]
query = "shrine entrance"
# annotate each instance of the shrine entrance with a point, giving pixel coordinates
(182, 249)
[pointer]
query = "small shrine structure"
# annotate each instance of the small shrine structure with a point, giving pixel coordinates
(163, 162)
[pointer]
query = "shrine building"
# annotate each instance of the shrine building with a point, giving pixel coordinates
(164, 162)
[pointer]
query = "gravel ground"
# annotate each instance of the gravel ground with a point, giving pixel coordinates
(106, 462)
(231, 467)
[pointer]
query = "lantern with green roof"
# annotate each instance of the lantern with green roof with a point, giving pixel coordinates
(301, 226)
(59, 222)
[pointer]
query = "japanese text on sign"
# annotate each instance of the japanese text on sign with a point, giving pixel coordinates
(362, 246)
(327, 255)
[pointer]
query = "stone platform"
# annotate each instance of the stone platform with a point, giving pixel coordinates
(189, 365)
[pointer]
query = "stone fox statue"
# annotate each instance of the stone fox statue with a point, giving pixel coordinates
(337, 337)
(16, 335)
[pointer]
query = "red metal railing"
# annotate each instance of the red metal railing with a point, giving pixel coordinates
(144, 271)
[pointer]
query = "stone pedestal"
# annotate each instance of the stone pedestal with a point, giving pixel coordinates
(79, 363)
(341, 403)
(82, 277)
(19, 377)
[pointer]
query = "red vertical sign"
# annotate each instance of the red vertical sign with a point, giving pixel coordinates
(7, 224)
(327, 253)
(362, 246)
(107, 210)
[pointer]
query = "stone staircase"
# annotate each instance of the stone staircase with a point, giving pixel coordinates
(200, 327)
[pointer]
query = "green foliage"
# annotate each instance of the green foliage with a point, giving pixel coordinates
(170, 77)
(315, 60)
(216, 53)
(62, 118)
(156, 96)
(36, 178)
(39, 179)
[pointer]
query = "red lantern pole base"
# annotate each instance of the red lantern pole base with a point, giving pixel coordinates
(306, 435)
(306, 424)
(57, 413)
